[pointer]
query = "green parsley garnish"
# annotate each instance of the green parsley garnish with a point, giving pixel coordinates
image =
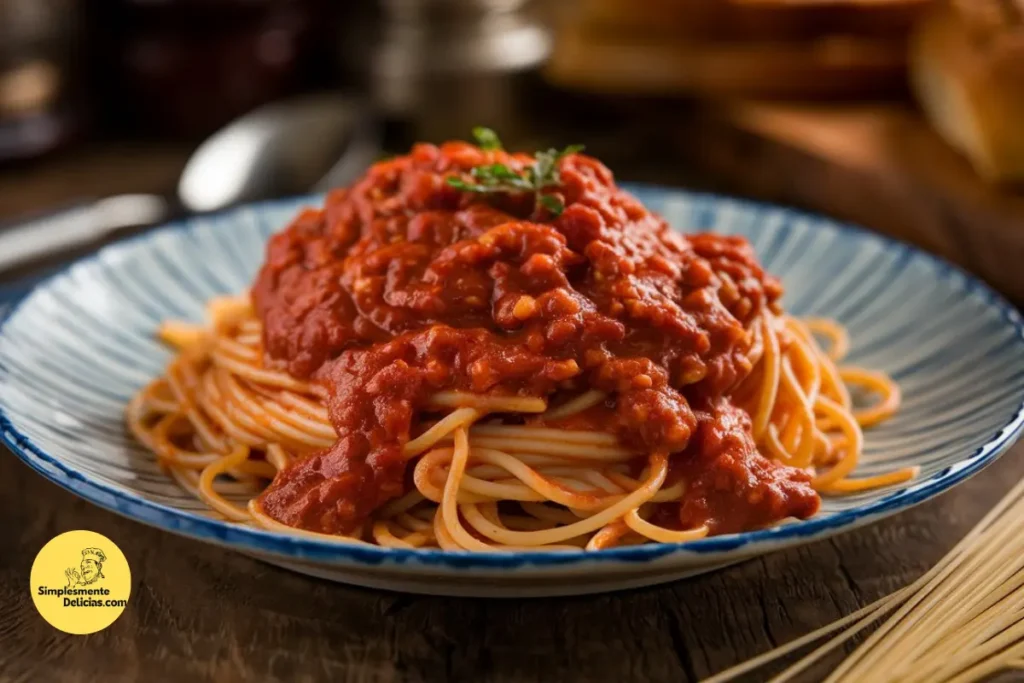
(551, 203)
(494, 178)
(486, 138)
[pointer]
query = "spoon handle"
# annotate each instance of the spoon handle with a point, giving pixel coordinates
(78, 226)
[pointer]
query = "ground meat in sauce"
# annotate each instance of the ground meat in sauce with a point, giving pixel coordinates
(402, 286)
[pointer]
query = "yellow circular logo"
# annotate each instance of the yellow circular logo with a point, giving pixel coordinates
(80, 582)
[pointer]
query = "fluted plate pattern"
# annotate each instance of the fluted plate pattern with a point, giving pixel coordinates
(79, 345)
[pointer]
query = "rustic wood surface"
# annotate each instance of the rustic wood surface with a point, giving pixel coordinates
(198, 613)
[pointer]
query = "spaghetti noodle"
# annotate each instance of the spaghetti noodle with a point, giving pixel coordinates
(455, 354)
(223, 425)
(962, 621)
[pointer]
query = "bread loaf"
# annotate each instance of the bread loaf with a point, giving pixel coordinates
(830, 66)
(967, 69)
(737, 48)
(769, 20)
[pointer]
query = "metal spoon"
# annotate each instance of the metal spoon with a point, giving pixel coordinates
(310, 143)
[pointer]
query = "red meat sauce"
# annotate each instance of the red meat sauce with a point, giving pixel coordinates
(403, 286)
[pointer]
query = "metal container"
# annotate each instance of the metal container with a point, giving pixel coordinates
(443, 66)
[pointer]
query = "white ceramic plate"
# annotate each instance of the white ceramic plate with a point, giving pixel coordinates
(75, 349)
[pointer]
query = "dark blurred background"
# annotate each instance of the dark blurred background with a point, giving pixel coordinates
(74, 72)
(903, 115)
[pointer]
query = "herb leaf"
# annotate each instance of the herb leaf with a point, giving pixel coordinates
(486, 138)
(552, 203)
(459, 184)
(496, 173)
(494, 178)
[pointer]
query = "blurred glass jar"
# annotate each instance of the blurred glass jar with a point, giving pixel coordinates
(189, 66)
(440, 67)
(41, 104)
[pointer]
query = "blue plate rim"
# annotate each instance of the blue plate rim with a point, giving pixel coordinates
(247, 538)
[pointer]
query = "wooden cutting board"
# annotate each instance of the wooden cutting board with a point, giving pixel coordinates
(880, 166)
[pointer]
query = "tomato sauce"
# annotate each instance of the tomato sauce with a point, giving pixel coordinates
(402, 286)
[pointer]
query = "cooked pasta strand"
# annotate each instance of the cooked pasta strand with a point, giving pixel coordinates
(223, 425)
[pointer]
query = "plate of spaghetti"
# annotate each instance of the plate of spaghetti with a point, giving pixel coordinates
(477, 372)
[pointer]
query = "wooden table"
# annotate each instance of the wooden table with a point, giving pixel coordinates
(198, 613)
